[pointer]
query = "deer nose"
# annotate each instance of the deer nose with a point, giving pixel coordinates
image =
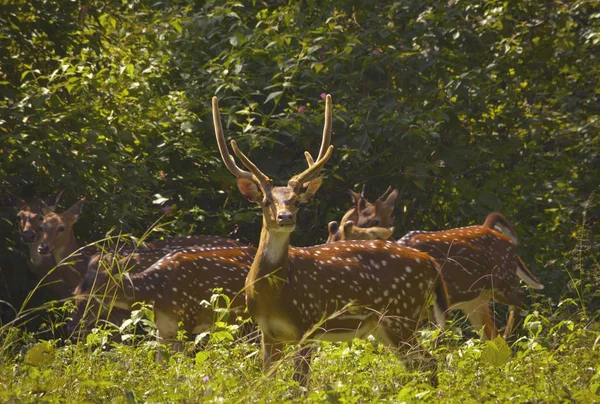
(43, 249)
(285, 218)
(28, 236)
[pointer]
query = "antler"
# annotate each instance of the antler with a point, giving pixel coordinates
(227, 158)
(324, 152)
(258, 175)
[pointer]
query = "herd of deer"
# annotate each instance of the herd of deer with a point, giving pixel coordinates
(359, 283)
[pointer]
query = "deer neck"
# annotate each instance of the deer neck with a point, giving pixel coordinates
(35, 257)
(270, 263)
(64, 251)
(72, 273)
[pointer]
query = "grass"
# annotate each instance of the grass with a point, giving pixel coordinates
(553, 361)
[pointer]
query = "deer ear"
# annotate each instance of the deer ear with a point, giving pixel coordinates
(75, 210)
(356, 197)
(390, 201)
(386, 207)
(249, 189)
(309, 189)
(45, 208)
(52, 201)
(333, 227)
(348, 228)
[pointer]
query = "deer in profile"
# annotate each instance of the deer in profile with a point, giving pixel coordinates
(58, 239)
(479, 263)
(327, 292)
(176, 285)
(352, 232)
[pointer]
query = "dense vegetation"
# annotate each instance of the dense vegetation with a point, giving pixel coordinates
(466, 106)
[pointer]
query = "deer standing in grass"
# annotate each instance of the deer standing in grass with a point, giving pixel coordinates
(58, 239)
(328, 292)
(479, 263)
(176, 285)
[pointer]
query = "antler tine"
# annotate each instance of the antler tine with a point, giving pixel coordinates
(312, 171)
(386, 193)
(257, 174)
(225, 156)
(326, 128)
(362, 193)
(309, 158)
(324, 152)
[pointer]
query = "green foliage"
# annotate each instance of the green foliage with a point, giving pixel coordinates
(559, 366)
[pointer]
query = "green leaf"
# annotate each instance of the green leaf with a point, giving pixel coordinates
(130, 71)
(201, 357)
(273, 95)
(177, 25)
(41, 355)
(496, 352)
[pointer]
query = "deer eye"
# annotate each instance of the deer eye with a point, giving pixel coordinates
(60, 229)
(375, 222)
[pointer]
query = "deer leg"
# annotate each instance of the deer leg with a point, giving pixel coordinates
(397, 335)
(271, 353)
(514, 299)
(302, 365)
(513, 311)
(167, 328)
(479, 315)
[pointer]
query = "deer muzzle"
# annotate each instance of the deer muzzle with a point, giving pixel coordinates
(285, 218)
(43, 249)
(28, 236)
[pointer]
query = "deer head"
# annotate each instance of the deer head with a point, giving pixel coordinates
(30, 216)
(366, 214)
(279, 204)
(58, 229)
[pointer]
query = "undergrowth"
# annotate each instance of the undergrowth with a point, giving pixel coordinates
(554, 357)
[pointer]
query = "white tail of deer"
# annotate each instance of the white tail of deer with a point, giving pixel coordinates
(294, 293)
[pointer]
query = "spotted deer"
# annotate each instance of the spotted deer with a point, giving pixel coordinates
(112, 265)
(58, 239)
(30, 217)
(329, 292)
(176, 285)
(479, 264)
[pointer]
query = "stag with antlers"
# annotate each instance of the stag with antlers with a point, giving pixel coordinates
(328, 292)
